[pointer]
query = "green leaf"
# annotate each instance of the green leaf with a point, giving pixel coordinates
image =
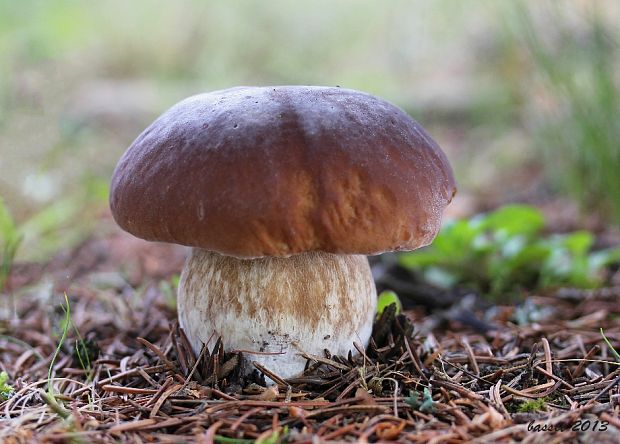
(387, 298)
(578, 243)
(413, 400)
(428, 404)
(6, 390)
(425, 405)
(275, 436)
(528, 258)
(504, 251)
(515, 219)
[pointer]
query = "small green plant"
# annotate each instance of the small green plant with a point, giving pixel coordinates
(65, 324)
(6, 390)
(502, 252)
(532, 406)
(387, 298)
(424, 405)
(10, 238)
(81, 350)
(275, 436)
(84, 351)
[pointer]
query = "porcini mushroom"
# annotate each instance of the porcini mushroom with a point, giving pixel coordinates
(281, 192)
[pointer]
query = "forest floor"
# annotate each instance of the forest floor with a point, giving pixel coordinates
(121, 371)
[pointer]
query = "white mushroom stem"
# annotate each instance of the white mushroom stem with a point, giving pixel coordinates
(273, 309)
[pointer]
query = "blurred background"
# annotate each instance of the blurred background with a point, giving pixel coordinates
(523, 96)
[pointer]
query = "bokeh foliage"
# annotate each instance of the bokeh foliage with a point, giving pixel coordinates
(575, 60)
(506, 251)
(493, 82)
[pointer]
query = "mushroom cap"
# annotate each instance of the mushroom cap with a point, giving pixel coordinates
(275, 171)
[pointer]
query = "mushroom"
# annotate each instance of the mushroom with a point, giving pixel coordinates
(282, 192)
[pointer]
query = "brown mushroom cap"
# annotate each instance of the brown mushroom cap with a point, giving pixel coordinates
(276, 171)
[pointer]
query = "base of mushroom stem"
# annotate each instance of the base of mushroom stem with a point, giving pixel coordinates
(274, 309)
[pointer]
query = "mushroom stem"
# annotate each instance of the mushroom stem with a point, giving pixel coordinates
(276, 308)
